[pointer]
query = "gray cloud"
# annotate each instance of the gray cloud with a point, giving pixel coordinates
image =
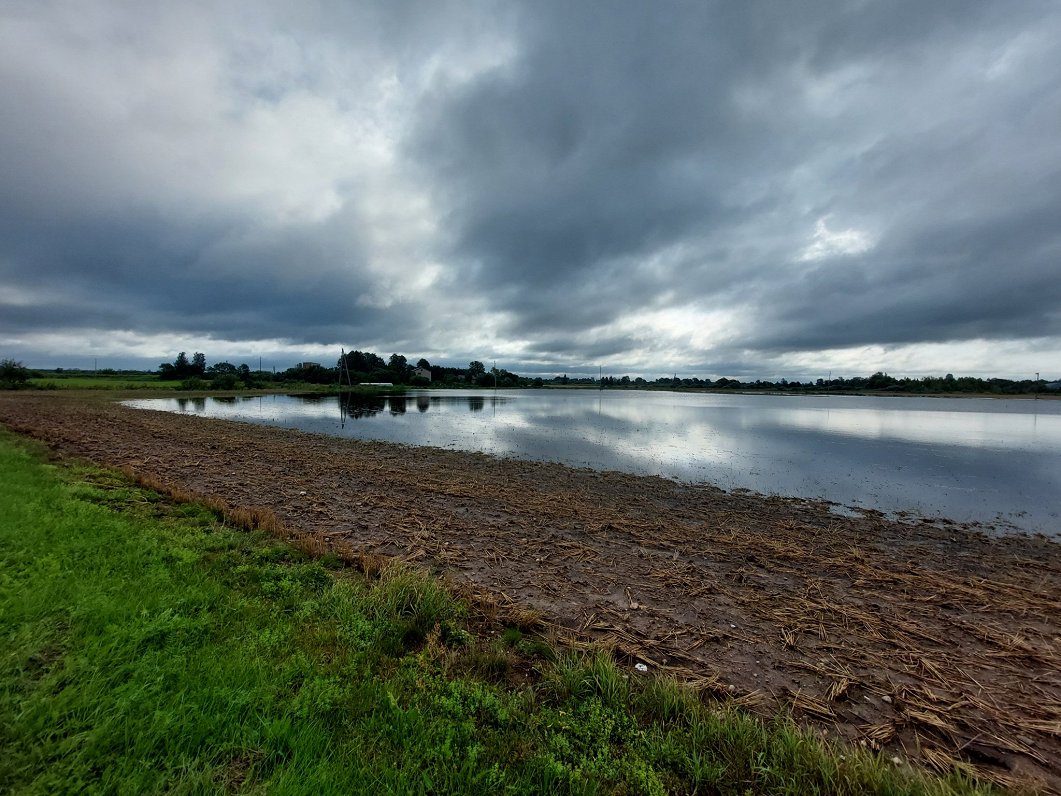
(706, 186)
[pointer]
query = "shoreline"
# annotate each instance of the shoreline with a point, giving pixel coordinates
(866, 471)
(305, 388)
(941, 642)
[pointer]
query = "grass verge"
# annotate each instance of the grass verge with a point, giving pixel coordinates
(149, 646)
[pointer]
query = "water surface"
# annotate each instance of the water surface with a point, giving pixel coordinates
(985, 460)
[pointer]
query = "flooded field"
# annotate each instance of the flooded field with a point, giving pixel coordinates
(996, 462)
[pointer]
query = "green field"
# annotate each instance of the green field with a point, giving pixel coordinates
(88, 381)
(149, 381)
(148, 646)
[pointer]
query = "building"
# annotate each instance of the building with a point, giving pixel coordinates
(422, 373)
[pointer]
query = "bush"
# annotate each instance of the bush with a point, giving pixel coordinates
(226, 381)
(13, 375)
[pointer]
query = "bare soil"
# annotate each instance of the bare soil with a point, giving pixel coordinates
(930, 640)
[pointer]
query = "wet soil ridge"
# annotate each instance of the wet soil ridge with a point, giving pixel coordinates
(932, 640)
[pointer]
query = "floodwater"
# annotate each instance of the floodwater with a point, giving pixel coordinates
(992, 461)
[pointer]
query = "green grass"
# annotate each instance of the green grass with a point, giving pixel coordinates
(146, 647)
(150, 381)
(63, 381)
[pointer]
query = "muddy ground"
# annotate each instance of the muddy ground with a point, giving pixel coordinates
(933, 641)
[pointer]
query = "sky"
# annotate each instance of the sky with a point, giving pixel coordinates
(739, 189)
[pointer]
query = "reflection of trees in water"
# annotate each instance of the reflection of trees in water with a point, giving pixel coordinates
(196, 404)
(356, 406)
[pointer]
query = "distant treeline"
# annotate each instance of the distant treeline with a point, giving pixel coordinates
(362, 366)
(878, 382)
(359, 367)
(356, 367)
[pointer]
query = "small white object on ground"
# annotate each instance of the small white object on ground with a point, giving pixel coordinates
(641, 667)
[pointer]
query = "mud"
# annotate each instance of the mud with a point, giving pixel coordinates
(932, 641)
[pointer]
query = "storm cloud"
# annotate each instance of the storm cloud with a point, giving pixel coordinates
(736, 189)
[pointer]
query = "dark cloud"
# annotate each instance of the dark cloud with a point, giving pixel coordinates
(573, 183)
(616, 136)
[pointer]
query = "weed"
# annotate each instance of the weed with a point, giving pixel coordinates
(488, 661)
(511, 636)
(661, 698)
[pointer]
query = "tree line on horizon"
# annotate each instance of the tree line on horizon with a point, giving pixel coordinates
(355, 367)
(878, 382)
(358, 367)
(364, 366)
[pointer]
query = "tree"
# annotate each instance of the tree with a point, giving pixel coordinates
(361, 364)
(879, 381)
(399, 366)
(476, 370)
(221, 369)
(423, 363)
(12, 374)
(180, 365)
(355, 362)
(182, 368)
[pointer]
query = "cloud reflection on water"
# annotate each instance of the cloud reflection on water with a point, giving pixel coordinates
(962, 458)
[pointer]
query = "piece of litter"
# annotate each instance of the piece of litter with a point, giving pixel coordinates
(641, 667)
(302, 493)
(897, 761)
(886, 698)
(733, 626)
